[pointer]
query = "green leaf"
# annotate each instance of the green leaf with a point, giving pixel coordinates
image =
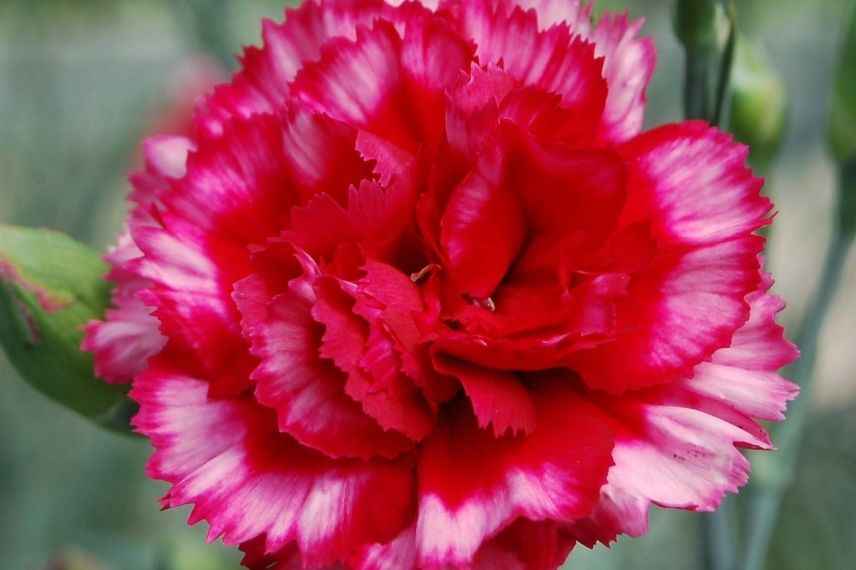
(50, 286)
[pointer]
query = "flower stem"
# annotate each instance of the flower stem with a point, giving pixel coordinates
(720, 538)
(726, 66)
(766, 498)
(696, 99)
(719, 527)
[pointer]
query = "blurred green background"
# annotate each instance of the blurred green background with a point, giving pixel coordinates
(81, 81)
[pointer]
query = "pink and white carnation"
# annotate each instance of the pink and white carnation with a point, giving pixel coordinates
(419, 293)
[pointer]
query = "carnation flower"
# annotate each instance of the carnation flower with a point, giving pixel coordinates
(418, 294)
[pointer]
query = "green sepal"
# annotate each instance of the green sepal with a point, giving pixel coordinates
(50, 287)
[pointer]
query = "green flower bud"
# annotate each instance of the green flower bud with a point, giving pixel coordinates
(842, 120)
(759, 103)
(699, 24)
(50, 286)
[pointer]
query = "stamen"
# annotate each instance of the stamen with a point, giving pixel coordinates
(424, 272)
(487, 303)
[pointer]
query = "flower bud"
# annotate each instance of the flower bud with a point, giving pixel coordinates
(50, 286)
(696, 23)
(759, 103)
(842, 123)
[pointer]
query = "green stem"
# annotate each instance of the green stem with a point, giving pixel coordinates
(719, 527)
(726, 66)
(720, 538)
(696, 84)
(766, 499)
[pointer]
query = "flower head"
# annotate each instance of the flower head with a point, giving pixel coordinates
(418, 293)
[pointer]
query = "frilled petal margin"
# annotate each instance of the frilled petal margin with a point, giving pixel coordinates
(245, 478)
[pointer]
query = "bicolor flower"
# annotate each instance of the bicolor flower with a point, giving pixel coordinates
(419, 293)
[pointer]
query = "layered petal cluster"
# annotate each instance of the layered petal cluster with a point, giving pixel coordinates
(418, 293)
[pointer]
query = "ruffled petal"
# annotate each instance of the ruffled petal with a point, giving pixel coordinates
(236, 193)
(263, 85)
(247, 480)
(575, 13)
(554, 59)
(123, 342)
(527, 545)
(690, 183)
(473, 485)
(307, 392)
(677, 446)
(483, 227)
(388, 83)
(744, 376)
(498, 398)
(629, 63)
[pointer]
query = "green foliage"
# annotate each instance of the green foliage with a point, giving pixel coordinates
(50, 286)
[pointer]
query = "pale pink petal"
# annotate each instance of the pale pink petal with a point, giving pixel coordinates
(264, 83)
(677, 448)
(575, 13)
(744, 376)
(246, 480)
(123, 342)
(692, 182)
(628, 66)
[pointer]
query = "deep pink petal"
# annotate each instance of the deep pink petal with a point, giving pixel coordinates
(498, 398)
(245, 479)
(483, 227)
(565, 191)
(691, 185)
(554, 59)
(683, 433)
(473, 485)
(308, 393)
(675, 315)
(263, 85)
(368, 355)
(527, 545)
(321, 155)
(692, 182)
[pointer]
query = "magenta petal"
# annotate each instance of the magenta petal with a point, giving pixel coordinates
(308, 393)
(473, 485)
(247, 480)
(483, 227)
